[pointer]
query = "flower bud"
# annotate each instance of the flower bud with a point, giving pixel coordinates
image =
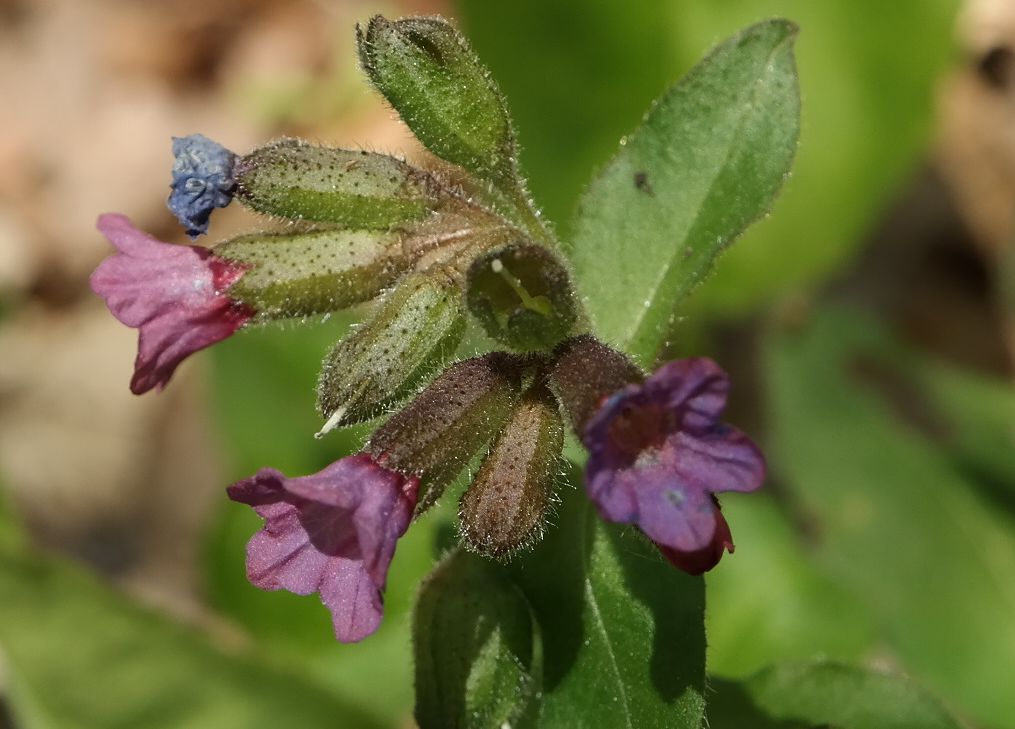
(318, 271)
(505, 508)
(417, 325)
(437, 434)
(429, 73)
(521, 294)
(584, 373)
(357, 189)
(202, 181)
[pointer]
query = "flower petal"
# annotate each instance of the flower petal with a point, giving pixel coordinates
(695, 388)
(282, 557)
(333, 532)
(650, 494)
(172, 294)
(723, 459)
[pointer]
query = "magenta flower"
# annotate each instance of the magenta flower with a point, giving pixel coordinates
(173, 294)
(658, 453)
(332, 533)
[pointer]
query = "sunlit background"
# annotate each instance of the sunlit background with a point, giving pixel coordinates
(869, 326)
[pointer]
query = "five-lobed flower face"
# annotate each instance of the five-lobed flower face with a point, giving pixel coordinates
(332, 533)
(658, 453)
(174, 295)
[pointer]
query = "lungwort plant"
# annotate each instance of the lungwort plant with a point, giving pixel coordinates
(560, 607)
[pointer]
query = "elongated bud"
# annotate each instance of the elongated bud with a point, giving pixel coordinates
(472, 637)
(505, 508)
(584, 373)
(356, 189)
(429, 73)
(313, 272)
(437, 434)
(521, 294)
(416, 327)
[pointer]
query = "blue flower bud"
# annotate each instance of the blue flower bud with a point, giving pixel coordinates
(202, 181)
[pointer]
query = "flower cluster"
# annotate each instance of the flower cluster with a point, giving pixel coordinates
(433, 253)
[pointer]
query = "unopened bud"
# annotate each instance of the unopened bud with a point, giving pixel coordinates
(202, 181)
(437, 434)
(357, 189)
(429, 73)
(521, 294)
(313, 272)
(505, 508)
(584, 373)
(417, 325)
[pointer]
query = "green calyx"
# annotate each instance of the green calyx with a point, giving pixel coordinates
(521, 293)
(417, 326)
(352, 188)
(299, 274)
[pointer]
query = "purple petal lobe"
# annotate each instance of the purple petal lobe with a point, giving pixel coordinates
(333, 533)
(657, 453)
(174, 295)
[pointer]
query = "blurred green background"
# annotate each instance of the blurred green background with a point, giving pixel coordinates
(864, 323)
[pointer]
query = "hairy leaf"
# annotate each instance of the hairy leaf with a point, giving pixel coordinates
(705, 163)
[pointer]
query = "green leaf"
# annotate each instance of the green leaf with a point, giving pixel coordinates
(977, 414)
(623, 643)
(473, 641)
(706, 162)
(589, 68)
(826, 694)
(897, 525)
(82, 656)
(795, 610)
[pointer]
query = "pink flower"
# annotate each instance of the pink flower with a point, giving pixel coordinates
(173, 294)
(658, 453)
(333, 533)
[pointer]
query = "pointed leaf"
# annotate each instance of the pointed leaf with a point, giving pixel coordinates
(897, 525)
(705, 163)
(826, 694)
(623, 643)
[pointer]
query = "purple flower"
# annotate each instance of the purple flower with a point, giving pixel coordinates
(658, 453)
(202, 181)
(332, 533)
(174, 295)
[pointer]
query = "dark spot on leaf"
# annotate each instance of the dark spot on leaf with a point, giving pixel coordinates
(641, 182)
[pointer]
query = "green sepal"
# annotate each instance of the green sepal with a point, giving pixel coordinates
(292, 179)
(504, 510)
(473, 642)
(298, 274)
(417, 326)
(437, 434)
(522, 295)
